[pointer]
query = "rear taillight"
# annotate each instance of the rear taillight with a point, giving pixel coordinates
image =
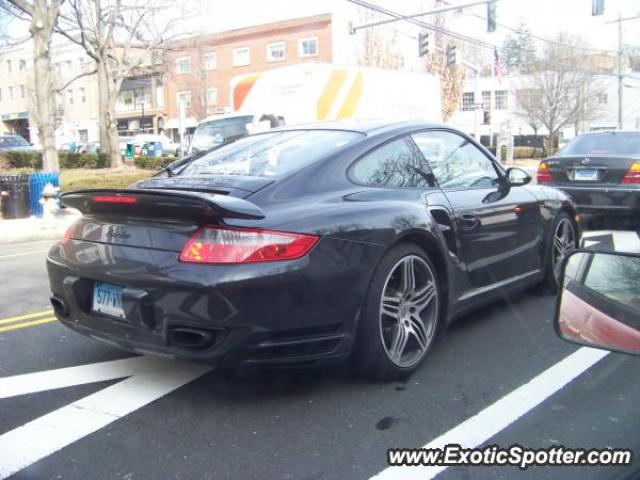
(633, 174)
(239, 245)
(114, 199)
(544, 175)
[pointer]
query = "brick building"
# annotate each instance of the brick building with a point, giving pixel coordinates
(199, 69)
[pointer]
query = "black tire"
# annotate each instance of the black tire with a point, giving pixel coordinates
(376, 334)
(552, 267)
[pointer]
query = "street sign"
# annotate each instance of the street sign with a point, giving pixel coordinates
(423, 44)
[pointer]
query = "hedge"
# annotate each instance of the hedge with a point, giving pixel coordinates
(520, 152)
(153, 163)
(33, 160)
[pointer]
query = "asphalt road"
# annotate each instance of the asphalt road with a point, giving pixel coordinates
(172, 420)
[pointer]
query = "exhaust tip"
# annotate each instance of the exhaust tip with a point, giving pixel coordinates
(59, 306)
(187, 337)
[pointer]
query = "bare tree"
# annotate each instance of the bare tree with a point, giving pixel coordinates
(120, 36)
(380, 47)
(562, 89)
(451, 77)
(42, 16)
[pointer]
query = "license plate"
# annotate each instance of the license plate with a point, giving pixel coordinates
(107, 299)
(585, 174)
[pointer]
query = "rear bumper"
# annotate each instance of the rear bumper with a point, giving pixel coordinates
(598, 201)
(302, 311)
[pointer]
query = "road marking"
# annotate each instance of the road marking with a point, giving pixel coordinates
(22, 254)
(26, 317)
(476, 430)
(150, 380)
(17, 326)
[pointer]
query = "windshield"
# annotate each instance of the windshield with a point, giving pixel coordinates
(216, 132)
(603, 144)
(271, 154)
(13, 142)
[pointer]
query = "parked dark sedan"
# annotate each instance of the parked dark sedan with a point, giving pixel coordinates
(14, 143)
(303, 245)
(601, 171)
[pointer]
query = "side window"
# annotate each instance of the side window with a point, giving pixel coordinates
(395, 164)
(455, 162)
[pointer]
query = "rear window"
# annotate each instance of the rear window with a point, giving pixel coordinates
(212, 134)
(271, 154)
(603, 144)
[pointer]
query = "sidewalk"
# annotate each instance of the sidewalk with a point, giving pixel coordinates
(33, 228)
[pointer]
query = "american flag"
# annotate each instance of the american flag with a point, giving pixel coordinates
(497, 65)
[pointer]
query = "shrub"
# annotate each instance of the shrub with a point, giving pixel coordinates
(527, 152)
(26, 159)
(153, 163)
(83, 160)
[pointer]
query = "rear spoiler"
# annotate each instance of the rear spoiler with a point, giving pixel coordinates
(161, 204)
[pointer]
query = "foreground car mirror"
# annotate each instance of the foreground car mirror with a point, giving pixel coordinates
(517, 177)
(599, 303)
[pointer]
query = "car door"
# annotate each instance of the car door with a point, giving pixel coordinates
(498, 228)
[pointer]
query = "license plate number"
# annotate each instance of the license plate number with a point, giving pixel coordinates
(585, 174)
(107, 299)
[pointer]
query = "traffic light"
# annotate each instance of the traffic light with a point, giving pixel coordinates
(486, 117)
(423, 44)
(491, 16)
(597, 7)
(451, 55)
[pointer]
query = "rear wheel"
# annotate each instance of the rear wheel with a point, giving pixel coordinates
(399, 320)
(561, 244)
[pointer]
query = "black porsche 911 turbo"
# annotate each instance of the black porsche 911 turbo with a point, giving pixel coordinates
(307, 245)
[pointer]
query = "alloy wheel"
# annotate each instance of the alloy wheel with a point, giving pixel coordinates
(408, 311)
(564, 243)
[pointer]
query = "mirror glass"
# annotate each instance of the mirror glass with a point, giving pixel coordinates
(599, 304)
(518, 176)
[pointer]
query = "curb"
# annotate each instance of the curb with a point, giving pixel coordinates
(32, 229)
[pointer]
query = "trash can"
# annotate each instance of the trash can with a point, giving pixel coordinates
(130, 151)
(157, 149)
(15, 196)
(37, 182)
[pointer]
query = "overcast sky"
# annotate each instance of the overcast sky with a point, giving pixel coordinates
(544, 17)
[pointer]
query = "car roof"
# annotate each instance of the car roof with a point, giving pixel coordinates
(367, 126)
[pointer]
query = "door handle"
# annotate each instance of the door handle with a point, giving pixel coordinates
(469, 220)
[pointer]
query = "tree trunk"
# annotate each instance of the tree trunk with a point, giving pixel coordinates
(107, 95)
(44, 99)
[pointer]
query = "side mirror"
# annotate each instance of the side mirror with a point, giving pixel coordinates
(517, 177)
(599, 304)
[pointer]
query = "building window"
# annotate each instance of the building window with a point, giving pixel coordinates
(275, 52)
(308, 47)
(212, 96)
(602, 98)
(500, 100)
(241, 57)
(468, 101)
(183, 65)
(70, 96)
(83, 136)
(83, 95)
(211, 61)
(184, 97)
(23, 93)
(10, 93)
(8, 66)
(486, 100)
(22, 65)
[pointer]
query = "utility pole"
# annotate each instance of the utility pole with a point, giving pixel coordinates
(620, 87)
(620, 61)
